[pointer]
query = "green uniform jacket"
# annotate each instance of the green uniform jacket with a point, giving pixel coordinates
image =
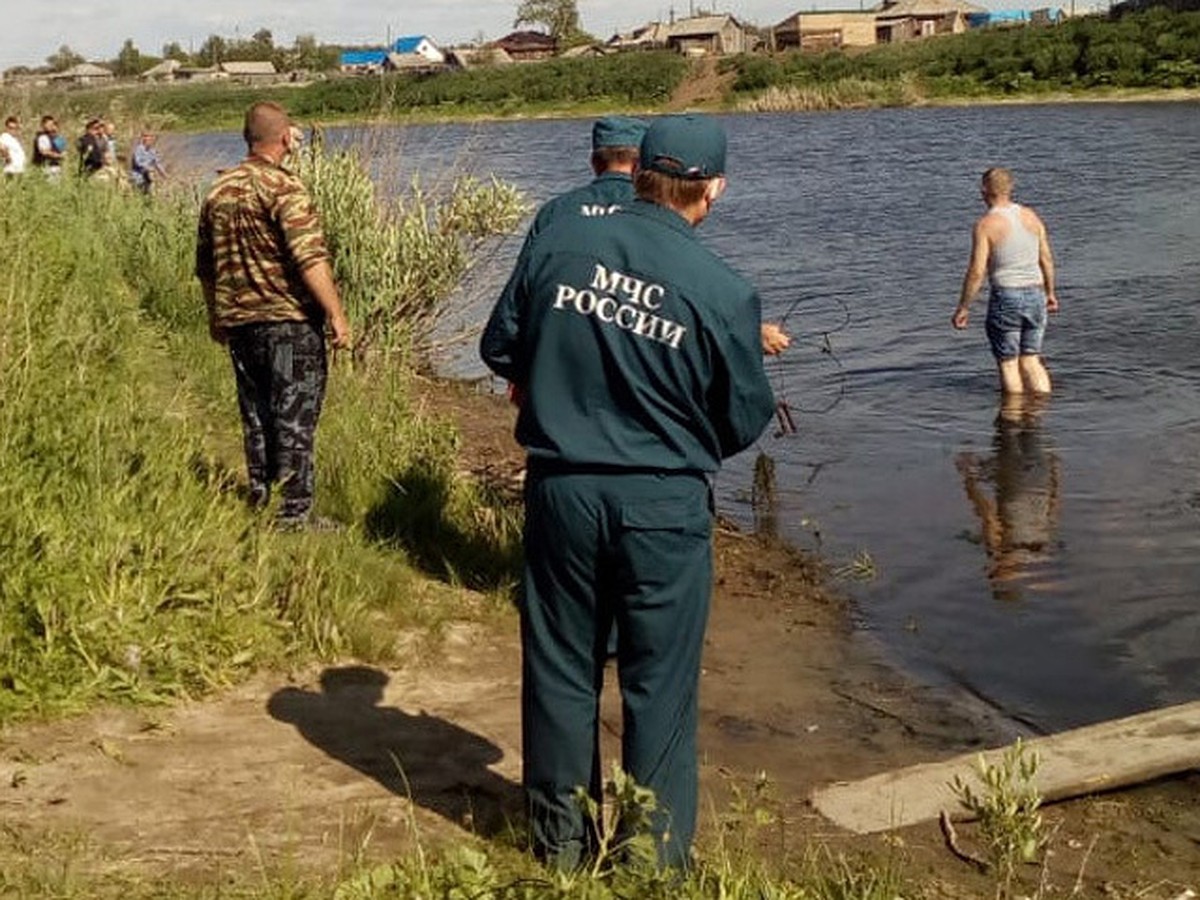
(603, 196)
(633, 346)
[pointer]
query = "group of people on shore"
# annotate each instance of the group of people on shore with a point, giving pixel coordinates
(97, 153)
(635, 356)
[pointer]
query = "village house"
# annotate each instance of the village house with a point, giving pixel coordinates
(249, 71)
(475, 57)
(415, 54)
(586, 51)
(706, 35)
(84, 75)
(197, 73)
(527, 46)
(165, 71)
(820, 30)
(651, 36)
(412, 53)
(362, 60)
(902, 20)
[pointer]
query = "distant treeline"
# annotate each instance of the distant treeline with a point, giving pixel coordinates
(631, 81)
(640, 79)
(1157, 48)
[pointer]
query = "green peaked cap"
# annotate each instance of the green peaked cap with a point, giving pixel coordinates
(690, 146)
(617, 131)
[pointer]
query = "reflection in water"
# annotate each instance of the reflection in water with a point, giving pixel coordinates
(764, 496)
(1016, 494)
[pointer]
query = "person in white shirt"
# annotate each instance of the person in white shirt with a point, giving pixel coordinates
(12, 154)
(1010, 248)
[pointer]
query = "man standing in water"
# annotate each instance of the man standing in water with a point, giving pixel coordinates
(638, 357)
(1010, 247)
(262, 261)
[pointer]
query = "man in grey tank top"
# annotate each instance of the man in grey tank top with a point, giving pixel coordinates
(1010, 247)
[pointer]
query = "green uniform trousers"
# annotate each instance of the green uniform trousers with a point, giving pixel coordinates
(632, 548)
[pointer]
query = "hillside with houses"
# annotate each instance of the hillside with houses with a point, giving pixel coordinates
(902, 52)
(705, 34)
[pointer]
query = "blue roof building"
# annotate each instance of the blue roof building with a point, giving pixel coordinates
(361, 59)
(417, 45)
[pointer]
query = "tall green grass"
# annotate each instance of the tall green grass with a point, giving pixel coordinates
(396, 259)
(132, 571)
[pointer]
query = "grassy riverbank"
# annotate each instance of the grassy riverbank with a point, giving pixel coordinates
(132, 570)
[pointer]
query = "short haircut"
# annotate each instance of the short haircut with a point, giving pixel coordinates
(607, 157)
(48, 120)
(665, 190)
(998, 181)
(11, 120)
(265, 122)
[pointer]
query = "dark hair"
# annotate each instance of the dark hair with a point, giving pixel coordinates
(11, 120)
(676, 193)
(604, 158)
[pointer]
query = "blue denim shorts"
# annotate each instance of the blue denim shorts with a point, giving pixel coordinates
(1016, 321)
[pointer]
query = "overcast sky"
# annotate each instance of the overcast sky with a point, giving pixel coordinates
(31, 31)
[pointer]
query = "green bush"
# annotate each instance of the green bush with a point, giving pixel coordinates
(1156, 48)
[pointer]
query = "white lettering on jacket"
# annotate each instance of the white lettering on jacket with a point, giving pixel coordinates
(598, 209)
(625, 301)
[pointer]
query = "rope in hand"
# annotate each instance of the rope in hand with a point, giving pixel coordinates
(775, 366)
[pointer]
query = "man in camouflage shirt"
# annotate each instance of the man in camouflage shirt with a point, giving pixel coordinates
(264, 266)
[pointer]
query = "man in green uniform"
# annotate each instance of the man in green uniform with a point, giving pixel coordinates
(615, 143)
(637, 355)
(263, 264)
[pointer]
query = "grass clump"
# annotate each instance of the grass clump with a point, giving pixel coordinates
(397, 260)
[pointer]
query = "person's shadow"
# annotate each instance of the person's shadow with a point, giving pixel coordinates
(1019, 514)
(437, 764)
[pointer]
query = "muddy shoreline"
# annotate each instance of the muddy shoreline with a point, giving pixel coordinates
(298, 768)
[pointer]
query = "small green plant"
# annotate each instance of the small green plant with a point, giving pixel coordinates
(1007, 804)
(624, 836)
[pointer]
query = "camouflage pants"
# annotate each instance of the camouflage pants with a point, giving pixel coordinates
(281, 371)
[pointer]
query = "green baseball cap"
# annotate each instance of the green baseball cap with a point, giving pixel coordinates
(617, 131)
(690, 146)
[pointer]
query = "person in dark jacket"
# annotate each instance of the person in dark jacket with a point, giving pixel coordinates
(637, 358)
(93, 148)
(615, 144)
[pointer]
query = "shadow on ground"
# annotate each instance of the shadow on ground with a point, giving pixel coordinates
(439, 765)
(414, 515)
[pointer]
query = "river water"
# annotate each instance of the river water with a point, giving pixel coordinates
(1044, 559)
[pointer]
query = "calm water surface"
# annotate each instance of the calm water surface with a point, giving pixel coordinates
(1046, 560)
